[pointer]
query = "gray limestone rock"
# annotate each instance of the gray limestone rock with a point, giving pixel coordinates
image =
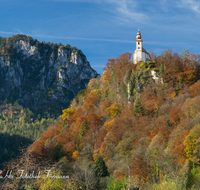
(43, 79)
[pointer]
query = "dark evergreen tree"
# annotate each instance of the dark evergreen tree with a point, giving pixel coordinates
(168, 123)
(82, 132)
(101, 169)
(58, 151)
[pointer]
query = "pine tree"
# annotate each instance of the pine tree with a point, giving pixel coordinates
(161, 69)
(58, 151)
(101, 169)
(138, 109)
(154, 59)
(82, 132)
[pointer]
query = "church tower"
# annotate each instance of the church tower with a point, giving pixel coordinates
(140, 53)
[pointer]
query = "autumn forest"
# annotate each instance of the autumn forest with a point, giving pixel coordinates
(123, 118)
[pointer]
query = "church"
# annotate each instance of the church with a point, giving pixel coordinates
(140, 53)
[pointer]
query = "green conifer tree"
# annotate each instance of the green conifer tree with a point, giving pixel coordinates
(138, 109)
(101, 169)
(161, 69)
(58, 151)
(82, 132)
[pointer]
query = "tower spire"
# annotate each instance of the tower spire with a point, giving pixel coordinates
(138, 37)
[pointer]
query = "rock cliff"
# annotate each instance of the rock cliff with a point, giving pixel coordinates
(41, 76)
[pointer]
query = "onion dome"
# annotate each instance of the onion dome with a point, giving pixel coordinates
(138, 37)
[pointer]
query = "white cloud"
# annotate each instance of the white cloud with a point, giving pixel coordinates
(4, 32)
(125, 10)
(86, 39)
(191, 4)
(72, 38)
(19, 31)
(156, 43)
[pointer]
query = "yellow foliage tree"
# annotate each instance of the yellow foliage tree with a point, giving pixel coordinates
(75, 155)
(93, 84)
(173, 95)
(109, 124)
(191, 143)
(67, 112)
(115, 109)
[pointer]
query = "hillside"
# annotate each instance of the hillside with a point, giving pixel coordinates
(126, 118)
(19, 127)
(43, 77)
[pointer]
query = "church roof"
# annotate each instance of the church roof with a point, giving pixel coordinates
(143, 50)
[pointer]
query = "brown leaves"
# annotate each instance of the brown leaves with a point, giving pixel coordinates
(139, 167)
(128, 110)
(93, 119)
(174, 115)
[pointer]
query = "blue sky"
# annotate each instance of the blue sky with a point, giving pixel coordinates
(105, 28)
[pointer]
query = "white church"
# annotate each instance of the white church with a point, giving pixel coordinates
(140, 53)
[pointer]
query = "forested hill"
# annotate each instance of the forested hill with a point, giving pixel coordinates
(19, 127)
(126, 118)
(43, 77)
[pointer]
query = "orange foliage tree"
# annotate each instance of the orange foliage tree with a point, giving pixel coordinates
(122, 64)
(194, 89)
(174, 115)
(127, 110)
(178, 149)
(93, 120)
(68, 150)
(38, 146)
(108, 71)
(139, 167)
(189, 76)
(92, 100)
(120, 126)
(100, 137)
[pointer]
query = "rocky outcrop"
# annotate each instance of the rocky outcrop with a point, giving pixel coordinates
(44, 79)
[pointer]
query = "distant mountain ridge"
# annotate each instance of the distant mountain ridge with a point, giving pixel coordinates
(44, 77)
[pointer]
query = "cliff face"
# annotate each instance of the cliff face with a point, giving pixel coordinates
(43, 78)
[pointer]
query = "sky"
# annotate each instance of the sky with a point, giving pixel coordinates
(105, 28)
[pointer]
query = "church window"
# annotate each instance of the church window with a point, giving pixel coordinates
(138, 43)
(138, 47)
